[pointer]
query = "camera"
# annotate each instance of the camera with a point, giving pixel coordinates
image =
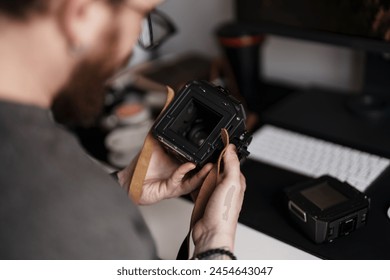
(326, 208)
(190, 128)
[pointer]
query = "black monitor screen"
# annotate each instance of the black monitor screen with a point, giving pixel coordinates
(364, 19)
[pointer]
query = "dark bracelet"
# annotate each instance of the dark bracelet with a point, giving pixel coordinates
(218, 251)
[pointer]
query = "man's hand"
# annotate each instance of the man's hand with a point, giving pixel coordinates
(217, 227)
(165, 178)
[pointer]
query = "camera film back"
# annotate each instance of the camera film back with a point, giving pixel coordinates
(325, 208)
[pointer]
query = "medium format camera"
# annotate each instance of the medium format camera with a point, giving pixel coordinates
(326, 208)
(190, 128)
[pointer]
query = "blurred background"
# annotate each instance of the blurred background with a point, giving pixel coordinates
(136, 95)
(283, 59)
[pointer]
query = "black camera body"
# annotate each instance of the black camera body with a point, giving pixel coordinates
(326, 208)
(190, 128)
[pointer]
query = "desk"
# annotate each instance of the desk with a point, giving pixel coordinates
(263, 207)
(169, 219)
(321, 114)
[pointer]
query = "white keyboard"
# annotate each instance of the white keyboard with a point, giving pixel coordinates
(314, 157)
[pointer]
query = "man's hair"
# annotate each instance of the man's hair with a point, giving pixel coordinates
(19, 8)
(22, 8)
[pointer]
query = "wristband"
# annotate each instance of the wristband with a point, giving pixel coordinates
(211, 252)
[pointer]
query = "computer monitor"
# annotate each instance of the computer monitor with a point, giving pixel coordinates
(359, 24)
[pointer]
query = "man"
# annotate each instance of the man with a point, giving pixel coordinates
(54, 202)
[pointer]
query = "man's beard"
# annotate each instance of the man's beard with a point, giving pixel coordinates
(81, 101)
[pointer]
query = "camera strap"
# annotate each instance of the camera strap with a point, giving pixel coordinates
(142, 162)
(205, 192)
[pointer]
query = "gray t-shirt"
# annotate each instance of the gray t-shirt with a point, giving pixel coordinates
(55, 203)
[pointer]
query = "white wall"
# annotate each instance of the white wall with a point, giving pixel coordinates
(196, 21)
(288, 60)
(307, 63)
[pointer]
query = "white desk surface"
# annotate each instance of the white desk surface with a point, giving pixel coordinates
(169, 220)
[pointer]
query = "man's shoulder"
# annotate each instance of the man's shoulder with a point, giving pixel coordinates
(56, 203)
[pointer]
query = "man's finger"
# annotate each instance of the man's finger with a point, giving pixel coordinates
(197, 180)
(178, 175)
(231, 163)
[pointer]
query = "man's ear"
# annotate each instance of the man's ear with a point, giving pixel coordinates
(82, 21)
